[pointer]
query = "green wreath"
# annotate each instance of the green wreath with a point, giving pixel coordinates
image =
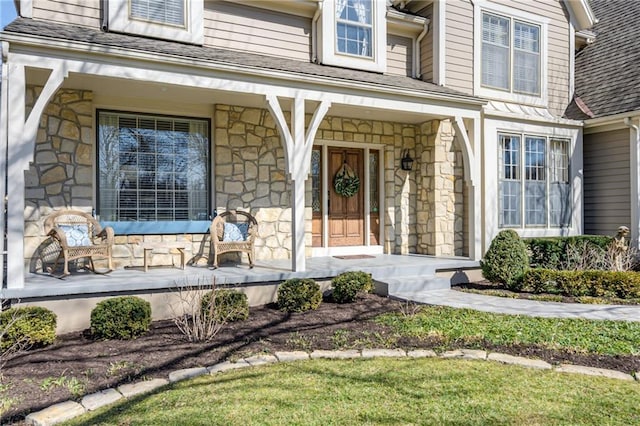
(345, 182)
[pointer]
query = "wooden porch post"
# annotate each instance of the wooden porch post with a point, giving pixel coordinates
(21, 139)
(471, 169)
(297, 146)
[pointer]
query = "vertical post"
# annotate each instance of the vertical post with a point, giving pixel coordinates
(4, 111)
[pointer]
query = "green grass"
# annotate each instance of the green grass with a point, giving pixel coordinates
(382, 391)
(475, 329)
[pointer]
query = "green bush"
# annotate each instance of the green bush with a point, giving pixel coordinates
(347, 285)
(623, 285)
(226, 305)
(31, 326)
(299, 295)
(506, 260)
(551, 252)
(123, 317)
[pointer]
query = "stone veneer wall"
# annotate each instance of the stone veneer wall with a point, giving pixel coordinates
(423, 208)
(62, 176)
(440, 198)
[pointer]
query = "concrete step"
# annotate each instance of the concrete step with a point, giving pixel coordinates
(411, 283)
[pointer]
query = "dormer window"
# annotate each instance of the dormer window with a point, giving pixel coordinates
(177, 20)
(353, 34)
(354, 27)
(170, 12)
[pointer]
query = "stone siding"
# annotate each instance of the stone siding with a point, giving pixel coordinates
(423, 209)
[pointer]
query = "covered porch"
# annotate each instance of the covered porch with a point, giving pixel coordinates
(268, 118)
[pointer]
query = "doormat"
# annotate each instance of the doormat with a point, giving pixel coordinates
(355, 256)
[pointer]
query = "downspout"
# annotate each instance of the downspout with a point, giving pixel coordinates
(634, 147)
(314, 33)
(416, 51)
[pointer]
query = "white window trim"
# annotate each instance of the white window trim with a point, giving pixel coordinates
(522, 181)
(479, 90)
(120, 21)
(328, 52)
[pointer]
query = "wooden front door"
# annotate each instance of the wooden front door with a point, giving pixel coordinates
(346, 214)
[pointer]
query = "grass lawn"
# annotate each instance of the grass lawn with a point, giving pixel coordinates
(382, 391)
(475, 328)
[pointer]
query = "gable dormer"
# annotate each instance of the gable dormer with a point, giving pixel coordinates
(353, 34)
(178, 20)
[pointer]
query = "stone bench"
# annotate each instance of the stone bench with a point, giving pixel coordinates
(149, 246)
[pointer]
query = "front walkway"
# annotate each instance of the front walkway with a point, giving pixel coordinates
(506, 305)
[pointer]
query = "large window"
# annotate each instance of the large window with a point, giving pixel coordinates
(534, 181)
(152, 168)
(354, 27)
(510, 55)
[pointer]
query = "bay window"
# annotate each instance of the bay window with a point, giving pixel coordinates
(152, 168)
(534, 189)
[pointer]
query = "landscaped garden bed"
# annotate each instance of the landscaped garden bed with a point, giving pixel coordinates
(77, 364)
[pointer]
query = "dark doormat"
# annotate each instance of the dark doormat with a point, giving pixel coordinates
(355, 256)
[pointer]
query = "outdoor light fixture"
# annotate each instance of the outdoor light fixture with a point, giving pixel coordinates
(407, 162)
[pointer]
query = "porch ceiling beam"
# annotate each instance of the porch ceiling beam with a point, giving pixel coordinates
(298, 144)
(229, 82)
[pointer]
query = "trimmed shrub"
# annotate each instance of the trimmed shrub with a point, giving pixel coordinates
(299, 295)
(226, 305)
(123, 317)
(623, 285)
(506, 260)
(27, 327)
(347, 285)
(551, 252)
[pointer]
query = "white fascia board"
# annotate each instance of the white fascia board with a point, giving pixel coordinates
(615, 119)
(37, 48)
(403, 24)
(581, 14)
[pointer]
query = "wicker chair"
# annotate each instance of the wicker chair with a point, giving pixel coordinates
(233, 231)
(80, 236)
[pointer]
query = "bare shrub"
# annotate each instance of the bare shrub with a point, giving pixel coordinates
(198, 320)
(584, 256)
(410, 309)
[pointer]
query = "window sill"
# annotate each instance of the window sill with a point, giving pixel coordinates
(158, 227)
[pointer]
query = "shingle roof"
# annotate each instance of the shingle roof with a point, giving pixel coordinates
(222, 56)
(607, 72)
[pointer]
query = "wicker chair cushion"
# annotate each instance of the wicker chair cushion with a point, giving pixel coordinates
(235, 231)
(77, 235)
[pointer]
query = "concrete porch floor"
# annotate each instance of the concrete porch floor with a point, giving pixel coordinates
(128, 280)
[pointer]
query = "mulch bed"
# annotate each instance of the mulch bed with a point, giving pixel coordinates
(100, 364)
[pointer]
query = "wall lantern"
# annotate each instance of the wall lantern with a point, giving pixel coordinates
(407, 162)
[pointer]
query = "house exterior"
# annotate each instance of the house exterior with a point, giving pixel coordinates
(156, 115)
(607, 100)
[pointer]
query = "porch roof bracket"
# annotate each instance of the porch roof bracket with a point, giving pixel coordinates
(467, 150)
(27, 147)
(287, 139)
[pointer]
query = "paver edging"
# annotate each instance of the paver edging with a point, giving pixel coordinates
(70, 409)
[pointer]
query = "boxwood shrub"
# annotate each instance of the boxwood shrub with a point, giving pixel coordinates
(506, 260)
(123, 318)
(299, 295)
(623, 285)
(27, 327)
(228, 305)
(551, 252)
(347, 285)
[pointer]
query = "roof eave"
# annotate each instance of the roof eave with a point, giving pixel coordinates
(582, 15)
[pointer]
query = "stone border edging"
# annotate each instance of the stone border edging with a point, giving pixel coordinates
(67, 410)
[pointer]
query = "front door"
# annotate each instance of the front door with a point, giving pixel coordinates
(346, 214)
